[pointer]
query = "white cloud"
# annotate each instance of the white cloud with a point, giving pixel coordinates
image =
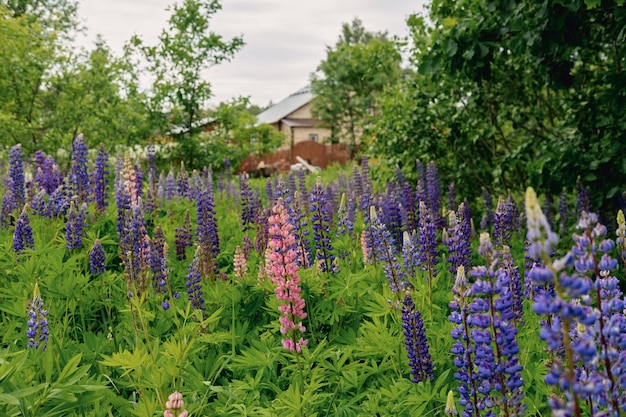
(285, 40)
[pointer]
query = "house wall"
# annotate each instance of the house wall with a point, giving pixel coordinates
(303, 112)
(301, 134)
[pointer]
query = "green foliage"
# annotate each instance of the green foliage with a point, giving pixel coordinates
(348, 82)
(513, 94)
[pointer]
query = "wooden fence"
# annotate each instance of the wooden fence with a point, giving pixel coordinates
(314, 153)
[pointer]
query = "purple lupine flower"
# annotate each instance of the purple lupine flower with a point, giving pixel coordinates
(502, 223)
(582, 199)
(37, 331)
(183, 236)
(51, 176)
(182, 182)
(207, 236)
(158, 262)
(247, 207)
(135, 251)
(193, 283)
(383, 247)
(97, 258)
(75, 225)
(16, 173)
(100, 179)
(59, 202)
(170, 185)
(304, 193)
(8, 205)
(391, 215)
(410, 254)
(427, 242)
(458, 243)
(514, 214)
(23, 233)
(122, 202)
(409, 207)
(365, 173)
(415, 341)
(515, 284)
(320, 221)
(433, 191)
(357, 184)
(300, 232)
(38, 203)
(39, 159)
(78, 178)
(152, 168)
(345, 224)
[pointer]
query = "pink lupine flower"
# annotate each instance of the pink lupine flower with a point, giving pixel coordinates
(282, 269)
(175, 406)
(241, 268)
(364, 247)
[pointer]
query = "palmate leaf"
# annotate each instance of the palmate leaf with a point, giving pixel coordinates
(127, 361)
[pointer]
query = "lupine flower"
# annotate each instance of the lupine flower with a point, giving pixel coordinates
(75, 225)
(183, 237)
(182, 182)
(416, 342)
(487, 218)
(282, 268)
(97, 258)
(158, 262)
(391, 214)
(427, 242)
(16, 173)
(100, 179)
(193, 283)
(207, 236)
(451, 197)
(175, 406)
(320, 220)
(384, 248)
(135, 251)
(450, 409)
(247, 207)
(170, 185)
(23, 233)
(37, 331)
(502, 223)
(433, 190)
(410, 254)
(409, 207)
(300, 231)
(239, 262)
(582, 199)
(345, 224)
(458, 243)
(78, 177)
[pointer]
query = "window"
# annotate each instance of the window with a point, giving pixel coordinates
(313, 137)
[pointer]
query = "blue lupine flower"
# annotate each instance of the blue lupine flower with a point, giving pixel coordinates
(170, 185)
(383, 247)
(427, 242)
(16, 173)
(207, 234)
(320, 221)
(23, 233)
(502, 223)
(97, 258)
(247, 207)
(182, 182)
(75, 225)
(78, 178)
(433, 191)
(37, 331)
(458, 243)
(100, 179)
(194, 284)
(416, 342)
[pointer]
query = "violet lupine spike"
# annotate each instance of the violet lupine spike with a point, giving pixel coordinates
(421, 171)
(304, 193)
(495, 336)
(410, 254)
(427, 242)
(207, 234)
(416, 342)
(8, 205)
(97, 258)
(409, 207)
(433, 190)
(182, 182)
(37, 331)
(183, 236)
(101, 179)
(300, 232)
(59, 202)
(459, 245)
(282, 269)
(382, 246)
(193, 283)
(122, 202)
(51, 175)
(487, 219)
(502, 224)
(75, 225)
(78, 176)
(514, 282)
(391, 215)
(170, 185)
(23, 233)
(158, 262)
(247, 204)
(16, 173)
(135, 251)
(320, 222)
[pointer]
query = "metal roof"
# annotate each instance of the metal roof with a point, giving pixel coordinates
(286, 106)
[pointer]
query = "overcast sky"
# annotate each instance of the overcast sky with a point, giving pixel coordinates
(285, 39)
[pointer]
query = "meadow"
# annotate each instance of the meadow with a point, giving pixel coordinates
(129, 290)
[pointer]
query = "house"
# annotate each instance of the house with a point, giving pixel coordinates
(293, 117)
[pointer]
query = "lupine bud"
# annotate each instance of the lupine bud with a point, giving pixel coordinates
(37, 332)
(175, 406)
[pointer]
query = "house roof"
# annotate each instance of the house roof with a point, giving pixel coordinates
(178, 130)
(286, 106)
(301, 122)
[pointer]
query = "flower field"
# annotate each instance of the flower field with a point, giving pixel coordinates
(132, 291)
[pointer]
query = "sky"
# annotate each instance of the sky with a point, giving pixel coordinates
(285, 39)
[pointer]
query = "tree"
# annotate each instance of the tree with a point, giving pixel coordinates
(349, 80)
(515, 93)
(186, 50)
